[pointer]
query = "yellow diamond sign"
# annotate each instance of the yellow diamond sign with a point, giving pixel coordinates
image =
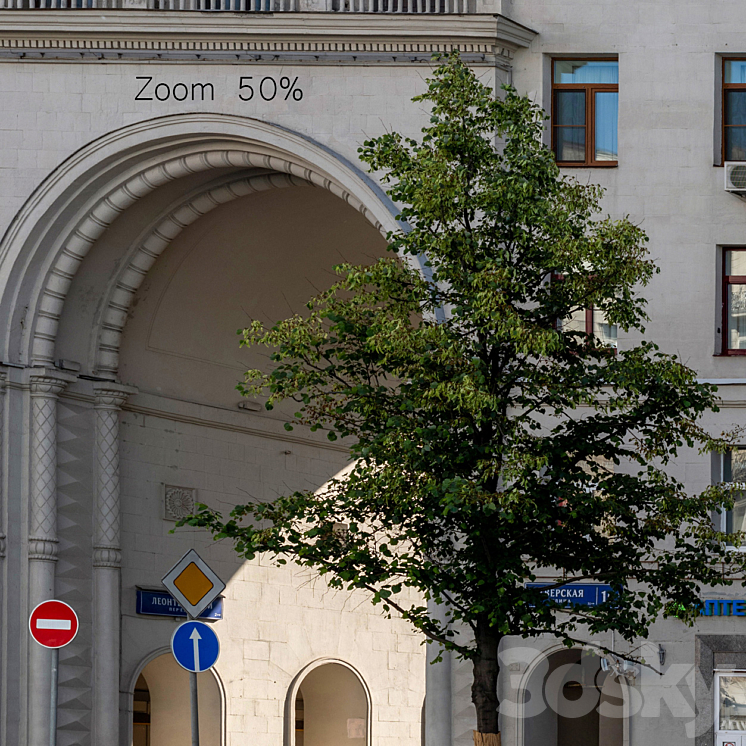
(193, 584)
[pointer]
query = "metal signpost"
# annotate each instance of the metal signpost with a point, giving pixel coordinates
(53, 624)
(196, 648)
(194, 644)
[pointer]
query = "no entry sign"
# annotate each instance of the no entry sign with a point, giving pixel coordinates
(53, 624)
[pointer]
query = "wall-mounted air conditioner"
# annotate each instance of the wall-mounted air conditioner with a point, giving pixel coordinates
(735, 177)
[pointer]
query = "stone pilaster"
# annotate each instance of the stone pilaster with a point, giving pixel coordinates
(107, 560)
(3, 538)
(45, 385)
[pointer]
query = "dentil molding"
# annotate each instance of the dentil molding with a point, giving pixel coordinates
(301, 37)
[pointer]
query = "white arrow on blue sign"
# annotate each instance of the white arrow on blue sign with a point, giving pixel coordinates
(195, 646)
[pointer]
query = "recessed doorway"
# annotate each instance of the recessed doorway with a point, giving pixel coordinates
(570, 701)
(161, 706)
(331, 708)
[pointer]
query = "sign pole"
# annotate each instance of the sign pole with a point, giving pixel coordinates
(195, 708)
(195, 586)
(196, 649)
(53, 698)
(53, 624)
(194, 694)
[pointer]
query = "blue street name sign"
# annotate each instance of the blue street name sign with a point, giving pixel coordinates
(161, 603)
(576, 594)
(195, 646)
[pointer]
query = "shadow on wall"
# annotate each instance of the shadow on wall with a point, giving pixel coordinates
(331, 708)
(161, 706)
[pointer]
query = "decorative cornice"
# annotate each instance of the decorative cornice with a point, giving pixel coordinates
(303, 37)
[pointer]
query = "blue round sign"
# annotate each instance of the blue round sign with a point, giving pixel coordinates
(195, 646)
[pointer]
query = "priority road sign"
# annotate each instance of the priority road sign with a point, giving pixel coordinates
(53, 624)
(193, 584)
(195, 646)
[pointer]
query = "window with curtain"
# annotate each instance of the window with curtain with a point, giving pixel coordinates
(734, 110)
(734, 301)
(585, 109)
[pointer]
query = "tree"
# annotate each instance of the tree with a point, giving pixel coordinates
(489, 438)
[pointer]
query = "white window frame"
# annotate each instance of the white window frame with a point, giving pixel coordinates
(716, 704)
(723, 513)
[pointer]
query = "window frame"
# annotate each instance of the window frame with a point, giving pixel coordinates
(590, 89)
(728, 87)
(717, 675)
(723, 514)
(588, 310)
(727, 280)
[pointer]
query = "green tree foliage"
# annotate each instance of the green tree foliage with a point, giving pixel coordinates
(489, 440)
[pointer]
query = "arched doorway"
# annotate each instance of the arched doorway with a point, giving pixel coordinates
(570, 701)
(141, 713)
(330, 706)
(160, 707)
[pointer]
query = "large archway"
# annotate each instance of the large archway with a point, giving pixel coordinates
(166, 160)
(136, 262)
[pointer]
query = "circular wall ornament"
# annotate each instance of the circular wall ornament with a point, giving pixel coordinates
(178, 502)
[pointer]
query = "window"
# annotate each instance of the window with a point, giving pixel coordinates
(734, 301)
(734, 470)
(141, 713)
(591, 321)
(734, 110)
(731, 707)
(585, 106)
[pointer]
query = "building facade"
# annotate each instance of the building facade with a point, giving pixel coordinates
(167, 175)
(170, 169)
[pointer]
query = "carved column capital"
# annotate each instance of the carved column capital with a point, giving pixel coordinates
(109, 395)
(107, 557)
(42, 548)
(48, 383)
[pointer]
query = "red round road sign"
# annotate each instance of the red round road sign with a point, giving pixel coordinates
(53, 624)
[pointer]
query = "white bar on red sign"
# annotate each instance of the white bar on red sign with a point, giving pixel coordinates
(53, 624)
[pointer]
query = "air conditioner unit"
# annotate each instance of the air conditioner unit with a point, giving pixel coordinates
(735, 177)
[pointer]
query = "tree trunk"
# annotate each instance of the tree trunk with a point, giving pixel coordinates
(484, 688)
(486, 739)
